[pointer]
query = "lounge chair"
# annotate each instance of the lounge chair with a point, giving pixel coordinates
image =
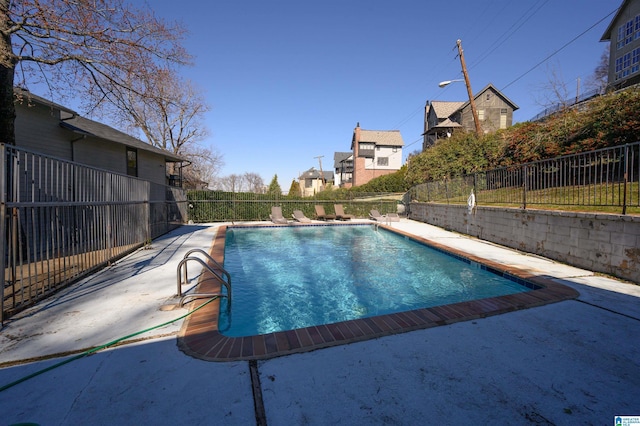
(321, 215)
(298, 216)
(389, 217)
(340, 214)
(375, 215)
(276, 215)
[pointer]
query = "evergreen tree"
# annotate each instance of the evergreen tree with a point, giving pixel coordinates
(294, 189)
(274, 187)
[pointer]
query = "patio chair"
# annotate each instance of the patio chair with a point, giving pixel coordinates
(389, 217)
(340, 214)
(276, 215)
(298, 216)
(321, 215)
(375, 215)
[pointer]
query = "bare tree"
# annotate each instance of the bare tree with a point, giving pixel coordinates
(247, 182)
(203, 168)
(231, 183)
(600, 77)
(170, 116)
(255, 183)
(554, 92)
(100, 48)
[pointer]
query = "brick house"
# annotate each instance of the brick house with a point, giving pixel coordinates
(375, 153)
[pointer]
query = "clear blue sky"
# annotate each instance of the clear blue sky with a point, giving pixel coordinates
(288, 80)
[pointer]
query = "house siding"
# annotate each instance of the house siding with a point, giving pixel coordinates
(37, 130)
(112, 156)
(491, 108)
(367, 168)
(629, 11)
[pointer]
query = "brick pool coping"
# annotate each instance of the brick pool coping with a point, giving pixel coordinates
(199, 336)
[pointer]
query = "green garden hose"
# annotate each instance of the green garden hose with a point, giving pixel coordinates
(98, 348)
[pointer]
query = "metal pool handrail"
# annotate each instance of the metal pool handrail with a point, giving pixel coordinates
(187, 258)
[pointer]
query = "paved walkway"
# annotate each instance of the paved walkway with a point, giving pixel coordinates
(573, 362)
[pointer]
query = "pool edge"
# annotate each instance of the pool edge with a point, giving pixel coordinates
(200, 338)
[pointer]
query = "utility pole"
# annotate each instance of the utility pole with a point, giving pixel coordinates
(324, 183)
(474, 111)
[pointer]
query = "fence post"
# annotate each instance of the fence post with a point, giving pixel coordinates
(3, 225)
(524, 187)
(475, 189)
(626, 178)
(446, 189)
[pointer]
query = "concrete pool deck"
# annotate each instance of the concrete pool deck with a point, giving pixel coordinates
(571, 362)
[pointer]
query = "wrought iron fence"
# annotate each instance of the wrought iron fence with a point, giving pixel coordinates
(607, 177)
(219, 206)
(60, 221)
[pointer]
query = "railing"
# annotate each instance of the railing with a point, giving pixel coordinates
(216, 206)
(183, 272)
(563, 105)
(606, 177)
(60, 221)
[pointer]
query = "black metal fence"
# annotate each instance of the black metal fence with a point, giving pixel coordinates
(550, 110)
(606, 177)
(218, 206)
(60, 221)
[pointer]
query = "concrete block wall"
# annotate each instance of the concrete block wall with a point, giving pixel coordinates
(606, 243)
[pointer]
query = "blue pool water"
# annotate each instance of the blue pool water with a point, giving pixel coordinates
(284, 278)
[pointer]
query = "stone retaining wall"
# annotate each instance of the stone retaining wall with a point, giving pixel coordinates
(607, 243)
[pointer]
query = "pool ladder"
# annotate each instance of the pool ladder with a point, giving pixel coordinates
(223, 276)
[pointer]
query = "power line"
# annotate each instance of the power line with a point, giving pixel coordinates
(508, 33)
(560, 49)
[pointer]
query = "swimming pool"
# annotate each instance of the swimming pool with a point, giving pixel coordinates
(286, 278)
(200, 337)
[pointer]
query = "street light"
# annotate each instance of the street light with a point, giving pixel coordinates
(474, 112)
(447, 82)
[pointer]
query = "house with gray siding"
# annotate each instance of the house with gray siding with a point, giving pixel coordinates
(51, 129)
(623, 33)
(442, 118)
(343, 168)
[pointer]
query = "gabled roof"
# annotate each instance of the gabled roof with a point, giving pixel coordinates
(382, 137)
(340, 157)
(607, 34)
(313, 173)
(93, 128)
(72, 121)
(25, 96)
(448, 124)
(497, 92)
(444, 109)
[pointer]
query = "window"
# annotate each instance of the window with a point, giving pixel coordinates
(383, 161)
(503, 121)
(503, 111)
(628, 32)
(620, 43)
(488, 96)
(132, 162)
(480, 114)
(366, 149)
(308, 183)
